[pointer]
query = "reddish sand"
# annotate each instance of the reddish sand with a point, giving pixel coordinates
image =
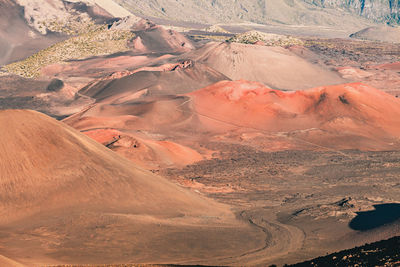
(104, 136)
(137, 45)
(162, 68)
(6, 262)
(148, 115)
(323, 112)
(388, 66)
(31, 178)
(101, 64)
(346, 116)
(353, 73)
(66, 199)
(384, 77)
(147, 153)
(166, 79)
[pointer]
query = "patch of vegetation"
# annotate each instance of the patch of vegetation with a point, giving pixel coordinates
(96, 42)
(73, 25)
(268, 39)
(216, 29)
(209, 37)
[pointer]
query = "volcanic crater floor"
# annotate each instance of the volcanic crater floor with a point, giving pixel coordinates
(307, 203)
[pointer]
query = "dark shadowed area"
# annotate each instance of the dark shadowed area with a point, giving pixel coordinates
(382, 214)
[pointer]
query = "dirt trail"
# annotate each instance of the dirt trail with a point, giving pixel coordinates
(281, 240)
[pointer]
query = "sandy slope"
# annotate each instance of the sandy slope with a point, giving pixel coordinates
(346, 116)
(153, 38)
(340, 116)
(67, 199)
(151, 154)
(167, 79)
(276, 67)
(37, 179)
(101, 70)
(4, 261)
(379, 33)
(152, 44)
(143, 126)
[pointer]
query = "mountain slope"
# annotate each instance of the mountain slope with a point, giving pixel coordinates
(17, 39)
(265, 11)
(67, 199)
(42, 177)
(29, 26)
(276, 67)
(343, 116)
(387, 11)
(379, 33)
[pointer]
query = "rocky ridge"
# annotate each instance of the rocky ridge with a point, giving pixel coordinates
(314, 12)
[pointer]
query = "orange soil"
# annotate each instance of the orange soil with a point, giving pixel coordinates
(66, 199)
(389, 66)
(61, 167)
(348, 109)
(145, 152)
(115, 63)
(353, 73)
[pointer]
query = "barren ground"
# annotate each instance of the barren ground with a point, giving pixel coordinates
(306, 198)
(293, 198)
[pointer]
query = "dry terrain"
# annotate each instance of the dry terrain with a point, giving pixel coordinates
(237, 144)
(76, 199)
